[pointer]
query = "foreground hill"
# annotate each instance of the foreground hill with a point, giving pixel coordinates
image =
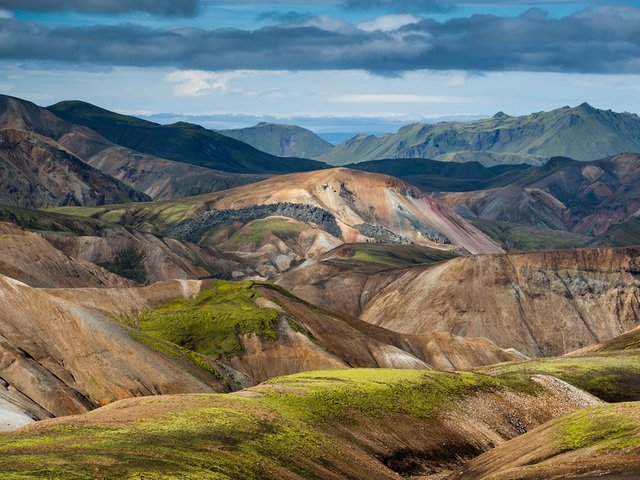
(281, 140)
(336, 424)
(541, 304)
(182, 142)
(582, 132)
(36, 172)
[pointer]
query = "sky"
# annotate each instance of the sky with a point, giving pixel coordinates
(346, 66)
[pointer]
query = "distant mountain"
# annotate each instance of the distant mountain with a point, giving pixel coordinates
(36, 172)
(582, 132)
(182, 142)
(281, 140)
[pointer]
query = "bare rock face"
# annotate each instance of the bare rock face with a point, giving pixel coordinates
(541, 304)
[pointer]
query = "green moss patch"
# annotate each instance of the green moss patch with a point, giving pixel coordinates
(612, 377)
(258, 232)
(211, 323)
(610, 428)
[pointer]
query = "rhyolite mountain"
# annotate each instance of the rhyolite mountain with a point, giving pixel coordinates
(300, 215)
(36, 172)
(181, 141)
(281, 140)
(587, 198)
(582, 132)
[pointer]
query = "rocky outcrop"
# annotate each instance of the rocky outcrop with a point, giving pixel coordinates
(192, 229)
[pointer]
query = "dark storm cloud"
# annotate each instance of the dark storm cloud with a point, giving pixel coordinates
(184, 8)
(603, 40)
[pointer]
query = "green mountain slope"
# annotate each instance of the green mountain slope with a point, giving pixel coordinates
(183, 142)
(582, 132)
(281, 140)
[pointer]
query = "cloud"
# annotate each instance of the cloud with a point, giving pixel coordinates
(186, 8)
(600, 40)
(192, 83)
(389, 23)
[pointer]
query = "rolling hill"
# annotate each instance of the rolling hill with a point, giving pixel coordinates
(182, 142)
(439, 176)
(281, 140)
(354, 424)
(582, 132)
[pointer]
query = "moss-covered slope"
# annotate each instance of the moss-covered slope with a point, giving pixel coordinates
(337, 424)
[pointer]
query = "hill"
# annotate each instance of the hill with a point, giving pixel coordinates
(157, 177)
(438, 176)
(281, 140)
(332, 206)
(221, 335)
(337, 424)
(182, 142)
(582, 132)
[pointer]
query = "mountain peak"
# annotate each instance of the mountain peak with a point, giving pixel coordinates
(585, 106)
(500, 116)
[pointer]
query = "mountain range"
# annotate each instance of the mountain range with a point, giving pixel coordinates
(582, 133)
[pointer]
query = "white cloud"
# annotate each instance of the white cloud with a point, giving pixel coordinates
(397, 98)
(5, 14)
(191, 83)
(389, 23)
